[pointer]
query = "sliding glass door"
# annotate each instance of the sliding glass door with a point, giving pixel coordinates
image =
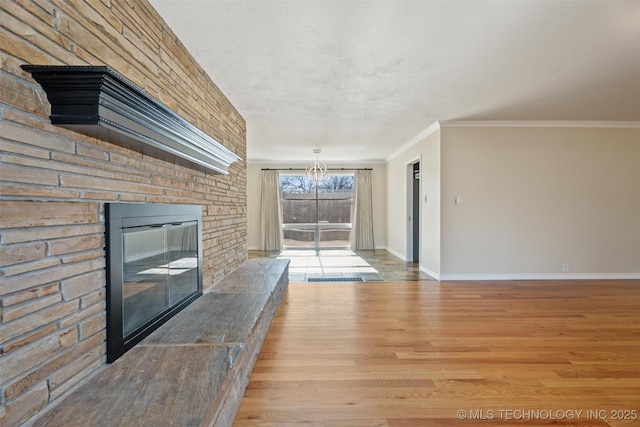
(316, 215)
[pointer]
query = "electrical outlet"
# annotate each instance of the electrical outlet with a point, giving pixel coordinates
(565, 267)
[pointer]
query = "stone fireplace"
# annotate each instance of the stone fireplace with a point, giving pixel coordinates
(56, 181)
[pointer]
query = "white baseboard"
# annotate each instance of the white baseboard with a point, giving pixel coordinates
(430, 273)
(395, 253)
(552, 276)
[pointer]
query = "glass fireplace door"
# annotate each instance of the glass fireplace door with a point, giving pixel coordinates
(160, 270)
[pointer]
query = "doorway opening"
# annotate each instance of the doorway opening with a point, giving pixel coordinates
(413, 211)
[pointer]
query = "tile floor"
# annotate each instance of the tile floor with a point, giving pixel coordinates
(342, 264)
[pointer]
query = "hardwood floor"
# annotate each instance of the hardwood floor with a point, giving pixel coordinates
(450, 354)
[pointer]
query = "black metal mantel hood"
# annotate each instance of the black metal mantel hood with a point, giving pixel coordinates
(97, 101)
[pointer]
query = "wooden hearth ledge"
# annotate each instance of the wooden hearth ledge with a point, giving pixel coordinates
(194, 369)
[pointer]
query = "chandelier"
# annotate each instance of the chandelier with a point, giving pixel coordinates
(316, 170)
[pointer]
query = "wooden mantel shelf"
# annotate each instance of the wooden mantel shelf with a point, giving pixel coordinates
(97, 101)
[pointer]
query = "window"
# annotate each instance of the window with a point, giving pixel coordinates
(316, 215)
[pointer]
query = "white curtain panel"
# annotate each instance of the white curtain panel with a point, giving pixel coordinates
(362, 212)
(271, 211)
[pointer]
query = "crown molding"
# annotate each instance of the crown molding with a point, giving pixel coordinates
(302, 163)
(434, 127)
(540, 123)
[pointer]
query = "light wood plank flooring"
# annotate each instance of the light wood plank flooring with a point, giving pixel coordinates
(450, 354)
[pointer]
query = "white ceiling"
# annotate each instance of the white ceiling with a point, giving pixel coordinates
(359, 79)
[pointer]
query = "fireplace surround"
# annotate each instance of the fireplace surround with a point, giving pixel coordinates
(154, 268)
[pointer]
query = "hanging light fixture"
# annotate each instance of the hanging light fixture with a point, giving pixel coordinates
(316, 170)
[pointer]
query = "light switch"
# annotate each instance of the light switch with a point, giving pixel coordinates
(457, 200)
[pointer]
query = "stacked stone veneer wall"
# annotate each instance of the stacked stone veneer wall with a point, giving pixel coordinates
(55, 182)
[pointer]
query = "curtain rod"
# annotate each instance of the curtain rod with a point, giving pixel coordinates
(329, 169)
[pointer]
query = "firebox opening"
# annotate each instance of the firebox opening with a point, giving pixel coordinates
(154, 268)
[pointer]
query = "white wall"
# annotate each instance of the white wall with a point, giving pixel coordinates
(379, 183)
(430, 180)
(253, 205)
(536, 198)
(427, 150)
